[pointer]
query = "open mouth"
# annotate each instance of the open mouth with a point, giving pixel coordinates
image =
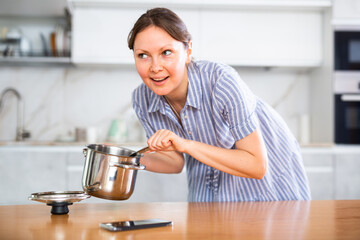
(160, 79)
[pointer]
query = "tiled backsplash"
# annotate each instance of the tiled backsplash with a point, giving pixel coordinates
(58, 100)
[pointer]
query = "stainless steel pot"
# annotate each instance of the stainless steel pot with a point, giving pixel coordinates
(109, 171)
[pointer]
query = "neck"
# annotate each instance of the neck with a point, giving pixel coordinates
(176, 111)
(177, 98)
(176, 106)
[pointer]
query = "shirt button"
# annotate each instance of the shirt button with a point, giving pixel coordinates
(185, 117)
(190, 132)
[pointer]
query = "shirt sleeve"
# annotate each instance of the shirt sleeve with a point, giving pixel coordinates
(236, 103)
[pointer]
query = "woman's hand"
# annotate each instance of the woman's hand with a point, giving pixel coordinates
(165, 140)
(167, 157)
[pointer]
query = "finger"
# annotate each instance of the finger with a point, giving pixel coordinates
(154, 142)
(163, 142)
(166, 140)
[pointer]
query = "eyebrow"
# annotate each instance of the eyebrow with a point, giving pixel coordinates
(167, 46)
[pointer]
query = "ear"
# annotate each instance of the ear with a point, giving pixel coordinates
(189, 52)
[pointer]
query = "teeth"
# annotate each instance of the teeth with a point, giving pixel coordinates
(159, 79)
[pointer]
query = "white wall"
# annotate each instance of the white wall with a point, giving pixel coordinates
(59, 99)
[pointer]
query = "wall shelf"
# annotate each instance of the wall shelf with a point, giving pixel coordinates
(30, 61)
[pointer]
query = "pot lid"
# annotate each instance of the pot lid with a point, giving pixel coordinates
(59, 200)
(59, 196)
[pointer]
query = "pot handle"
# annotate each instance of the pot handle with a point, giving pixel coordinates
(85, 151)
(128, 166)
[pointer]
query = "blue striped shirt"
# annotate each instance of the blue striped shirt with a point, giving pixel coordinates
(220, 109)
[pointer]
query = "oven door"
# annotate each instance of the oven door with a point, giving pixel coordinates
(347, 50)
(347, 118)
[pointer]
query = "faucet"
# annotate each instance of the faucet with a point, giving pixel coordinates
(21, 134)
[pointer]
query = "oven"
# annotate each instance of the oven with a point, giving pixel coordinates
(347, 84)
(347, 107)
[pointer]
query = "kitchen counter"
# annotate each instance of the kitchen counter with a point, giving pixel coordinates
(316, 148)
(58, 146)
(326, 219)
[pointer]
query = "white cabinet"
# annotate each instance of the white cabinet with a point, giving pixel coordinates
(320, 171)
(260, 37)
(26, 172)
(100, 35)
(333, 172)
(263, 33)
(346, 14)
(346, 9)
(347, 176)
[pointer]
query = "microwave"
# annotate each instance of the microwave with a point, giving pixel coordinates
(347, 50)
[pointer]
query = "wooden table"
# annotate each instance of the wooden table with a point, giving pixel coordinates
(239, 220)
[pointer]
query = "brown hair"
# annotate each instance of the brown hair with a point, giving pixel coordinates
(162, 18)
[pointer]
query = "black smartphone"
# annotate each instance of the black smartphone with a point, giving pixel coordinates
(137, 224)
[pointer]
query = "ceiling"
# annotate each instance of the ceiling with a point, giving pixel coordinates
(32, 7)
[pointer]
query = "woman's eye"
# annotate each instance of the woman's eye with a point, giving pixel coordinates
(167, 52)
(142, 55)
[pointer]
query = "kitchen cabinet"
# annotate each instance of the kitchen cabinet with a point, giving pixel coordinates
(100, 34)
(346, 11)
(333, 172)
(347, 176)
(320, 170)
(237, 33)
(259, 37)
(27, 171)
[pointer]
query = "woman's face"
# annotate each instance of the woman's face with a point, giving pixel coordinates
(161, 61)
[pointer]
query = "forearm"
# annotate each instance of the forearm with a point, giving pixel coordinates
(163, 162)
(249, 159)
(233, 161)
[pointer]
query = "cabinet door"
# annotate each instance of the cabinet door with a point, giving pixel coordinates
(157, 187)
(261, 37)
(320, 171)
(347, 176)
(26, 172)
(100, 35)
(346, 9)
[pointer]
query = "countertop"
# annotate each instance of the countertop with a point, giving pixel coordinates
(58, 146)
(330, 219)
(314, 148)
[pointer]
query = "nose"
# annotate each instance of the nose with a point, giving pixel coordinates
(156, 65)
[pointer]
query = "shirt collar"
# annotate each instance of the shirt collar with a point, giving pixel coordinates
(194, 88)
(194, 95)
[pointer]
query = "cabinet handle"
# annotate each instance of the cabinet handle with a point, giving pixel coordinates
(350, 97)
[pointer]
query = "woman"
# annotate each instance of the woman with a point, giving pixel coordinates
(236, 147)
